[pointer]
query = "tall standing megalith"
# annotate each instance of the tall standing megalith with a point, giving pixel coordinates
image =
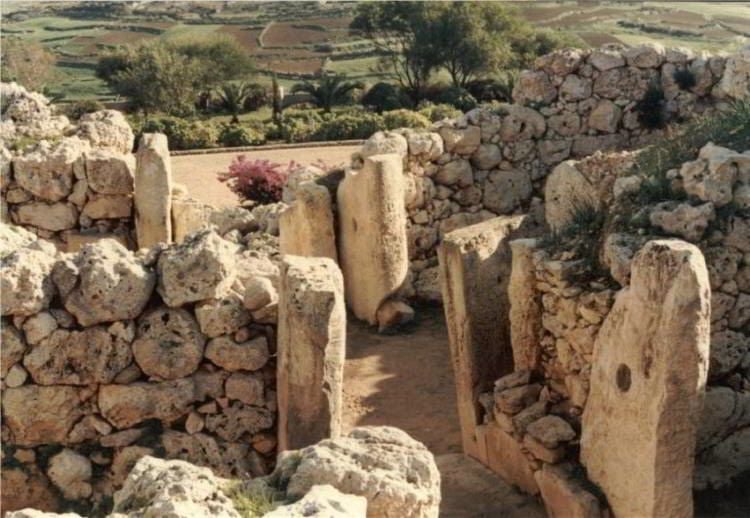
(647, 384)
(153, 191)
(372, 234)
(306, 227)
(311, 351)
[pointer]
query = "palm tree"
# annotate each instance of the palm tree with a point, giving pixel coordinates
(328, 92)
(231, 96)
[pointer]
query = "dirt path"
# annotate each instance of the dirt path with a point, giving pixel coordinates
(406, 380)
(198, 172)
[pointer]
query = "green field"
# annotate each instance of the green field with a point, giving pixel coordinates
(299, 40)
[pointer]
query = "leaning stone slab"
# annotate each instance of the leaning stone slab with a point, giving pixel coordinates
(372, 231)
(311, 351)
(153, 191)
(306, 226)
(647, 384)
(475, 269)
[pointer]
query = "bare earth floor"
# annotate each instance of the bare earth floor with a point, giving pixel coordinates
(198, 172)
(406, 380)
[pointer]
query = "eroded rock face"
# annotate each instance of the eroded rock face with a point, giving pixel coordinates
(396, 474)
(384, 142)
(48, 172)
(128, 405)
(735, 83)
(78, 357)
(683, 219)
(109, 172)
(47, 216)
(153, 191)
(107, 129)
(174, 488)
(306, 227)
(112, 284)
(169, 343)
(26, 282)
(71, 473)
(323, 501)
(649, 369)
(202, 267)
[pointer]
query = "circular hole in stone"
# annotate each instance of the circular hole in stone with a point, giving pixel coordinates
(622, 377)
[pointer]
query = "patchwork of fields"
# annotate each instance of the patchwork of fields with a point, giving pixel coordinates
(302, 39)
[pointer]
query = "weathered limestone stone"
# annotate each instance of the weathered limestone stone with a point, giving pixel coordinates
(603, 59)
(564, 496)
(153, 191)
(311, 351)
(566, 188)
(505, 190)
(238, 420)
(393, 313)
(169, 343)
(605, 117)
(735, 82)
(48, 216)
(259, 293)
(107, 129)
(12, 347)
(247, 388)
(306, 227)
(323, 501)
(456, 172)
(649, 372)
(534, 86)
(27, 486)
(385, 142)
(173, 488)
(396, 474)
(222, 316)
(13, 237)
(474, 274)
(42, 415)
(112, 284)
(575, 88)
(486, 156)
(26, 284)
(525, 306)
(78, 357)
(109, 172)
(188, 215)
(682, 219)
(106, 206)
(462, 141)
(647, 55)
(200, 268)
(233, 356)
(127, 405)
(506, 457)
(551, 430)
(521, 123)
(372, 230)
(48, 172)
(71, 473)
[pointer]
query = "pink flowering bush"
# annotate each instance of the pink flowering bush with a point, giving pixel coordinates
(258, 180)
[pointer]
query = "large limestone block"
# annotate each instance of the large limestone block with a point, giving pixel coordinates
(735, 83)
(174, 488)
(153, 191)
(109, 172)
(525, 306)
(107, 129)
(188, 215)
(505, 456)
(306, 226)
(647, 382)
(311, 351)
(323, 502)
(26, 283)
(48, 171)
(566, 188)
(565, 496)
(48, 216)
(128, 405)
(112, 284)
(372, 230)
(78, 357)
(13, 237)
(202, 267)
(42, 415)
(396, 474)
(475, 268)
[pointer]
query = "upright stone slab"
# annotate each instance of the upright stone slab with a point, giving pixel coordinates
(372, 233)
(647, 384)
(525, 306)
(153, 191)
(475, 263)
(311, 351)
(306, 226)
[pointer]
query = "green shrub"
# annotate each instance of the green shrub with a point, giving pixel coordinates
(384, 97)
(684, 78)
(348, 127)
(299, 125)
(500, 89)
(458, 97)
(405, 119)
(256, 96)
(183, 134)
(651, 108)
(78, 109)
(438, 112)
(233, 135)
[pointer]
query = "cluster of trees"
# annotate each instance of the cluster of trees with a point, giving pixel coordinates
(27, 63)
(467, 39)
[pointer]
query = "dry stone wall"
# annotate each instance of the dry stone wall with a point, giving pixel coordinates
(572, 103)
(110, 355)
(75, 181)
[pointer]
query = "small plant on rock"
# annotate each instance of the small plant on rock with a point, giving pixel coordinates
(684, 78)
(261, 181)
(651, 108)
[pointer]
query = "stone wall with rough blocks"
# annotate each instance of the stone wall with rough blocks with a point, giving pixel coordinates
(571, 104)
(110, 355)
(75, 182)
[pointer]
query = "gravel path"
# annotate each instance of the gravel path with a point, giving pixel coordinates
(198, 172)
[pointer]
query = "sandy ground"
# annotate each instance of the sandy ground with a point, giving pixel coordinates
(198, 172)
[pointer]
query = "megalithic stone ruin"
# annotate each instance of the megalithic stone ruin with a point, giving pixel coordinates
(372, 234)
(311, 351)
(306, 227)
(153, 191)
(647, 384)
